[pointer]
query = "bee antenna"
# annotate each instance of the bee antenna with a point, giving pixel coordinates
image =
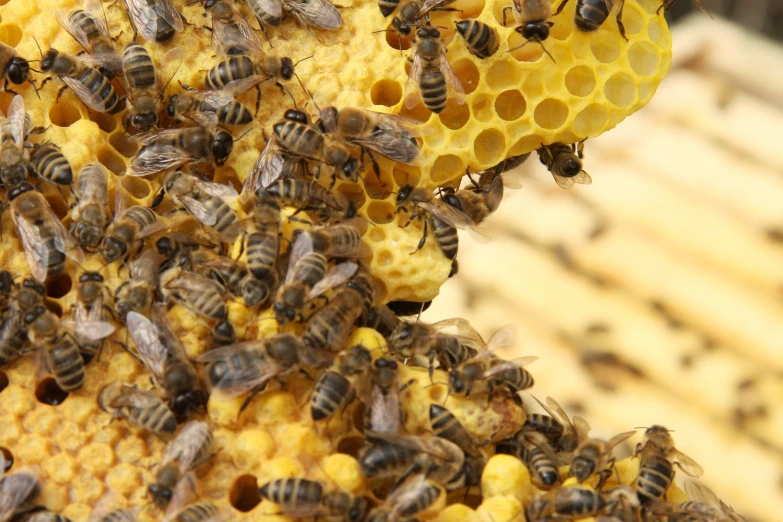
(303, 59)
(39, 47)
(434, 383)
(243, 134)
(640, 428)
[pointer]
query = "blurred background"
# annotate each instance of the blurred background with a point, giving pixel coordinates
(655, 294)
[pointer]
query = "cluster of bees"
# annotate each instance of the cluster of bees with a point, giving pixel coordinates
(315, 283)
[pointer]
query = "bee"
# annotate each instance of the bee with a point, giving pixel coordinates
(450, 342)
(13, 336)
(341, 240)
(198, 512)
(176, 245)
(88, 83)
(335, 388)
(44, 238)
(44, 515)
(381, 319)
(704, 502)
(18, 491)
(565, 504)
(188, 450)
(446, 426)
(621, 505)
(411, 12)
(89, 27)
(485, 373)
(320, 14)
(273, 166)
(533, 18)
(231, 33)
(262, 241)
(234, 276)
(138, 292)
(89, 215)
(657, 457)
(13, 68)
(481, 40)
(431, 77)
(141, 408)
(197, 293)
(380, 393)
(565, 163)
(268, 12)
(51, 165)
(145, 86)
(411, 497)
(161, 352)
(533, 449)
(443, 218)
(302, 498)
(591, 14)
(154, 20)
(308, 196)
(203, 200)
(667, 4)
(400, 456)
(306, 279)
(304, 140)
(208, 108)
(174, 148)
(14, 158)
(89, 311)
(391, 136)
(594, 457)
(564, 434)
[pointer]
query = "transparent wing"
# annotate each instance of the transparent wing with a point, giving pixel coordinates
(95, 9)
(385, 412)
(135, 398)
(144, 18)
(202, 118)
(303, 245)
(74, 30)
(412, 94)
(452, 80)
(199, 210)
(164, 223)
(505, 337)
(396, 147)
(187, 446)
(582, 428)
(168, 66)
(448, 214)
(508, 365)
(89, 324)
(121, 200)
(218, 190)
(273, 8)
(266, 170)
(429, 5)
(582, 178)
(15, 489)
(183, 494)
(165, 157)
(237, 87)
(462, 329)
(235, 34)
(192, 281)
(15, 120)
(556, 412)
(33, 249)
(435, 446)
(335, 277)
(145, 335)
(166, 10)
(91, 100)
(228, 351)
(701, 493)
(320, 14)
(687, 464)
(407, 497)
(146, 138)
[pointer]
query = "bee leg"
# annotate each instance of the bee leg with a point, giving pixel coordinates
(620, 20)
(410, 383)
(45, 81)
(414, 468)
(60, 93)
(507, 8)
(423, 239)
(560, 7)
(258, 99)
(10, 91)
(605, 474)
(375, 167)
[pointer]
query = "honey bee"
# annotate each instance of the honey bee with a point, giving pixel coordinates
(145, 85)
(198, 512)
(320, 14)
(446, 425)
(391, 136)
(533, 18)
(594, 457)
(18, 491)
(262, 241)
(591, 14)
(308, 196)
(565, 504)
(88, 83)
(89, 27)
(59, 353)
(306, 279)
(572, 433)
(411, 497)
(335, 388)
(188, 450)
(175, 245)
(203, 200)
(40, 514)
(481, 40)
(485, 373)
(117, 515)
(381, 319)
(533, 449)
(431, 77)
(174, 148)
(341, 240)
(302, 498)
(14, 157)
(658, 456)
(267, 12)
(13, 336)
(44, 238)
(380, 393)
(304, 140)
(565, 163)
(234, 276)
(231, 34)
(450, 342)
(89, 311)
(411, 12)
(138, 292)
(704, 502)
(208, 108)
(400, 456)
(154, 20)
(89, 215)
(197, 293)
(141, 408)
(667, 4)
(50, 164)
(273, 165)
(161, 352)
(13, 68)
(13, 329)
(621, 505)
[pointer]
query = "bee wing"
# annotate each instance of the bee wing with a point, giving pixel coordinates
(384, 411)
(508, 365)
(187, 446)
(429, 5)
(121, 200)
(238, 34)
(168, 66)
(556, 412)
(460, 328)
(91, 100)
(266, 170)
(452, 80)
(33, 249)
(335, 277)
(566, 183)
(225, 352)
(396, 147)
(412, 94)
(320, 14)
(273, 8)
(13, 496)
(540, 441)
(687, 464)
(448, 214)
(619, 439)
(218, 190)
(195, 282)
(145, 335)
(144, 18)
(95, 9)
(15, 120)
(164, 223)
(89, 325)
(506, 336)
(166, 157)
(199, 210)
(184, 493)
(582, 428)
(135, 398)
(62, 16)
(701, 493)
(303, 245)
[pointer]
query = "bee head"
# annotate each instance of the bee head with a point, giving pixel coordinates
(536, 31)
(222, 147)
(286, 68)
(404, 193)
(172, 106)
(48, 58)
(18, 70)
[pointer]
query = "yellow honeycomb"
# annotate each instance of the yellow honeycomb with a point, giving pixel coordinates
(515, 101)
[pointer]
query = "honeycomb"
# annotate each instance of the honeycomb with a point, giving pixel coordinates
(515, 101)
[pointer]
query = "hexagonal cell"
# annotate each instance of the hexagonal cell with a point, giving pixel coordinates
(64, 114)
(526, 144)
(490, 147)
(112, 161)
(106, 122)
(352, 445)
(397, 42)
(656, 29)
(379, 188)
(406, 175)
(606, 46)
(504, 74)
(386, 92)
(11, 34)
(551, 113)
(580, 80)
(380, 212)
(385, 257)
(57, 205)
(418, 112)
(136, 187)
(455, 115)
(591, 120)
(446, 168)
(620, 89)
(523, 50)
(510, 105)
(49, 392)
(58, 285)
(651, 6)
(244, 495)
(632, 18)
(377, 235)
(644, 58)
(468, 75)
(482, 108)
(123, 145)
